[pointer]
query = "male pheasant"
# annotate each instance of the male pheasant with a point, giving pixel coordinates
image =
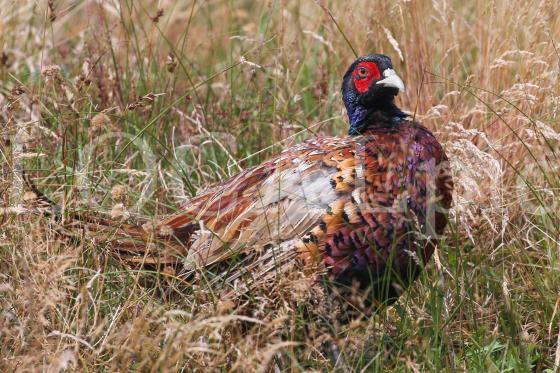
(362, 211)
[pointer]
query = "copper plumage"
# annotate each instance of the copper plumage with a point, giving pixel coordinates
(363, 210)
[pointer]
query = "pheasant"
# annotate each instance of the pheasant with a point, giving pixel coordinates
(362, 212)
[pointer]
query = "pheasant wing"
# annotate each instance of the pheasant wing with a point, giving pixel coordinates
(279, 201)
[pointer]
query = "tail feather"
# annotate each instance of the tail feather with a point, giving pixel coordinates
(131, 244)
(134, 245)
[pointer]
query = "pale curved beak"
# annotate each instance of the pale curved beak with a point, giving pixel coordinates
(391, 80)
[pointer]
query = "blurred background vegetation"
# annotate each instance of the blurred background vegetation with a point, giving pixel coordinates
(130, 107)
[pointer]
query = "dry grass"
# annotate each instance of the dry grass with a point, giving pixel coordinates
(123, 109)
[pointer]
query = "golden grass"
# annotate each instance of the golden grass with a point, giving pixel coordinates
(122, 109)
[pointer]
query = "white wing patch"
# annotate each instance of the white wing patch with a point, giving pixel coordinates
(288, 204)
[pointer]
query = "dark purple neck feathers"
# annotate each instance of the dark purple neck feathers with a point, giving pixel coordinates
(382, 113)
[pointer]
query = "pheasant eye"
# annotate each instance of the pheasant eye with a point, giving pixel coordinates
(365, 73)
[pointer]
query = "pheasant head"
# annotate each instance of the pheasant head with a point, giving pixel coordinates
(369, 88)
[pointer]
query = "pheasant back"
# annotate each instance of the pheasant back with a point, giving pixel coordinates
(362, 212)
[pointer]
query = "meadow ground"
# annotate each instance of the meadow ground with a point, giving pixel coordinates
(129, 107)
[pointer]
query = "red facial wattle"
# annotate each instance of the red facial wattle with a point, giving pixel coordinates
(364, 74)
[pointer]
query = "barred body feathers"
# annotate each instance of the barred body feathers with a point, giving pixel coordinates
(362, 212)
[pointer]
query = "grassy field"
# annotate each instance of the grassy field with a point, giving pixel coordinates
(129, 107)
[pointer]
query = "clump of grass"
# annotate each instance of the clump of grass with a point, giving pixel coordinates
(126, 109)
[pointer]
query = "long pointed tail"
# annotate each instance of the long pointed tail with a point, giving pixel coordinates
(134, 245)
